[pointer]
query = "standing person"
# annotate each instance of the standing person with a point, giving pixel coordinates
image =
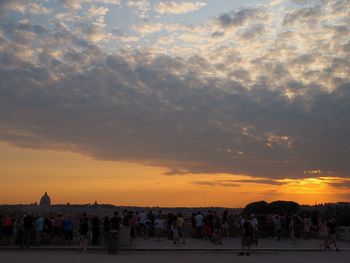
(47, 231)
(175, 231)
(199, 225)
(95, 229)
(58, 229)
(217, 227)
(193, 224)
(19, 231)
(39, 228)
(247, 238)
(152, 219)
(133, 223)
(254, 223)
(115, 221)
(224, 224)
(180, 225)
(83, 231)
(332, 237)
(306, 228)
(68, 227)
(27, 230)
(292, 229)
(7, 229)
(143, 218)
(277, 224)
(158, 226)
(106, 229)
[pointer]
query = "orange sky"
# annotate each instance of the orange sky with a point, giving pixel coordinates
(26, 174)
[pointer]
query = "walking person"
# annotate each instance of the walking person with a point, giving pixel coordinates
(323, 234)
(332, 237)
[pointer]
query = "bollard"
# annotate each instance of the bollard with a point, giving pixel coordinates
(113, 242)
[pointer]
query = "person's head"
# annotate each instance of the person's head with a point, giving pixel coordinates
(116, 213)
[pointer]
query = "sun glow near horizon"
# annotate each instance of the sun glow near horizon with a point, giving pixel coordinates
(75, 178)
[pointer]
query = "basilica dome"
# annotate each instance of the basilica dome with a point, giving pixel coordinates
(45, 200)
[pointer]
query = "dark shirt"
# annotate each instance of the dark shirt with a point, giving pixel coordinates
(248, 229)
(95, 225)
(331, 226)
(28, 222)
(115, 221)
(84, 227)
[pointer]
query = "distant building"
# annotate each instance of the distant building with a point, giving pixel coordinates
(45, 200)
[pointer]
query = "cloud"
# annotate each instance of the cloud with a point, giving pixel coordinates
(238, 182)
(148, 28)
(215, 183)
(24, 7)
(140, 7)
(72, 4)
(273, 108)
(98, 11)
(241, 17)
(253, 31)
(170, 7)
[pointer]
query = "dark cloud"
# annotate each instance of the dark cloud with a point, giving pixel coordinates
(257, 181)
(341, 184)
(238, 182)
(210, 183)
(217, 34)
(309, 15)
(241, 17)
(253, 31)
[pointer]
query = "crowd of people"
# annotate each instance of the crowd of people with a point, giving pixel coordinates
(27, 229)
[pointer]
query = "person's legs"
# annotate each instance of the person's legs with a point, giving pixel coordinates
(27, 237)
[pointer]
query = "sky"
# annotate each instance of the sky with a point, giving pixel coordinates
(175, 103)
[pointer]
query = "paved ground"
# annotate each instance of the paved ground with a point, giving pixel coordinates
(49, 256)
(230, 244)
(235, 244)
(268, 251)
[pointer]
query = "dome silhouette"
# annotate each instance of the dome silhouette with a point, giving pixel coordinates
(45, 200)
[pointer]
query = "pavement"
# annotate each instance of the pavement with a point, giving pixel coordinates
(194, 245)
(152, 251)
(45, 256)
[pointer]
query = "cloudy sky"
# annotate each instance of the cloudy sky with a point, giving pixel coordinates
(154, 102)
